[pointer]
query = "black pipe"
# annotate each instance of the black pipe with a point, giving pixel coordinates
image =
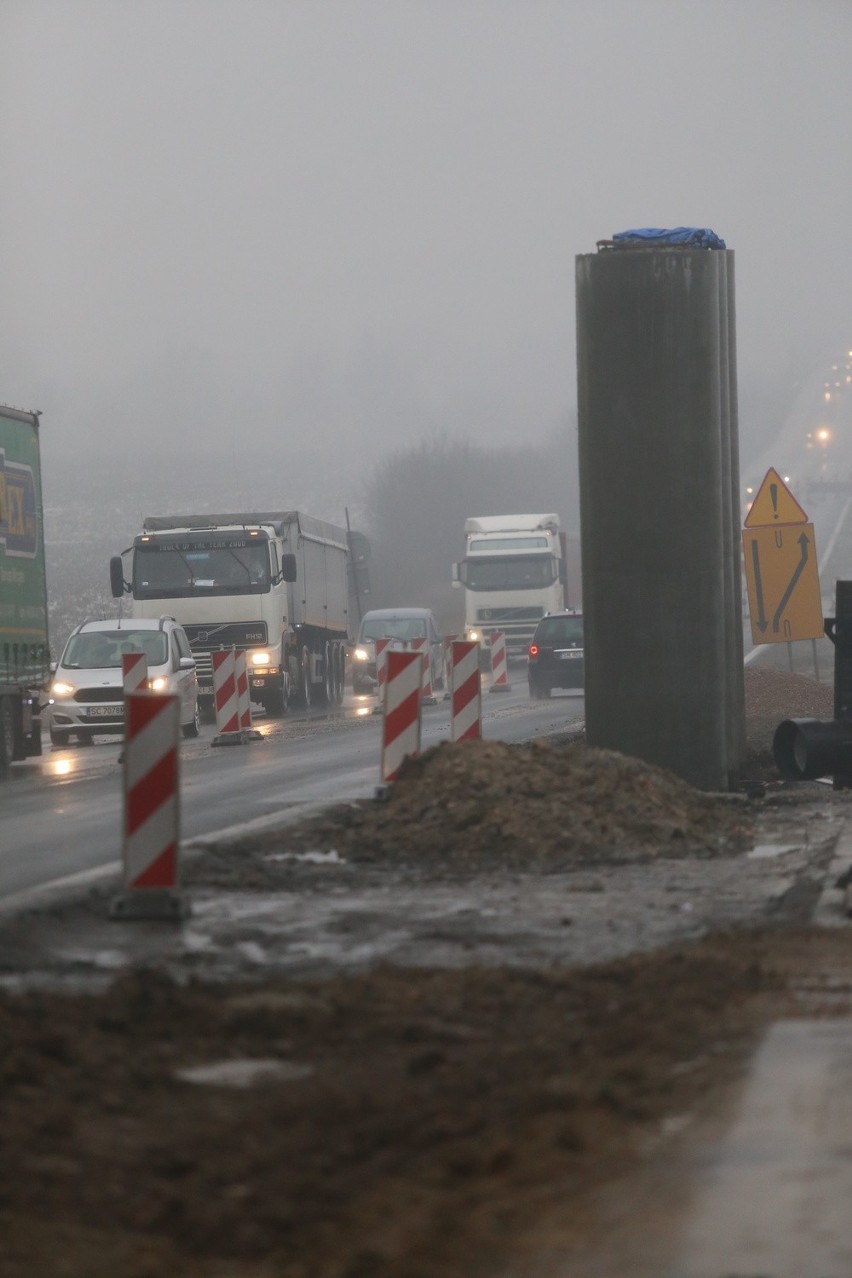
(805, 749)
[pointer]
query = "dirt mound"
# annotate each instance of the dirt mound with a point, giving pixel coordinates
(480, 806)
(540, 807)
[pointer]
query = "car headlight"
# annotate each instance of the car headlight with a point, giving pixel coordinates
(60, 689)
(473, 635)
(160, 684)
(261, 658)
(361, 654)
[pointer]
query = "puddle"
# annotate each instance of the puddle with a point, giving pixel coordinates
(244, 1073)
(766, 851)
(312, 858)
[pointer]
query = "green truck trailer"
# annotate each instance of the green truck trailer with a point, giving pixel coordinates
(24, 653)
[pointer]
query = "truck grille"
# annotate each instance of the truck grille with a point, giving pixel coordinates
(500, 617)
(205, 640)
(517, 624)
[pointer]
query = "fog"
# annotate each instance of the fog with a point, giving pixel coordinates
(260, 243)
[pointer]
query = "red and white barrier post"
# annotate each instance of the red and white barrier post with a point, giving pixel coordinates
(225, 698)
(449, 640)
(466, 685)
(427, 696)
(401, 726)
(134, 678)
(247, 732)
(499, 663)
(151, 809)
(383, 647)
(134, 672)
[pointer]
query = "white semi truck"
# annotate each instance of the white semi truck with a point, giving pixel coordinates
(272, 583)
(514, 571)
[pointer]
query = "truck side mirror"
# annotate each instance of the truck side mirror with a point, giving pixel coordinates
(460, 573)
(288, 567)
(116, 577)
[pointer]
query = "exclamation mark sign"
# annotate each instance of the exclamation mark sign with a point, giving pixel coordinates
(773, 493)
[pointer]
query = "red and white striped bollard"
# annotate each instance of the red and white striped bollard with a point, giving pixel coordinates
(449, 640)
(134, 672)
(499, 663)
(225, 698)
(247, 732)
(151, 809)
(422, 646)
(383, 647)
(466, 684)
(401, 725)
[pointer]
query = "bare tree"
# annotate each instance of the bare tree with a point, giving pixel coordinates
(417, 500)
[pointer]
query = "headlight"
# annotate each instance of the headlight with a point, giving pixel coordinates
(160, 684)
(361, 654)
(61, 689)
(473, 635)
(261, 658)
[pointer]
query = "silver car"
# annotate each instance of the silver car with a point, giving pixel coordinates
(86, 695)
(401, 624)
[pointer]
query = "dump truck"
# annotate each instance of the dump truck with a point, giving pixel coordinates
(24, 650)
(271, 583)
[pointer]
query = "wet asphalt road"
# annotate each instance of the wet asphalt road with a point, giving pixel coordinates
(62, 813)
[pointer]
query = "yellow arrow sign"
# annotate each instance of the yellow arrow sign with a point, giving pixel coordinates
(783, 583)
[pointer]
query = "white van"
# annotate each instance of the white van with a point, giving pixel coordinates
(86, 694)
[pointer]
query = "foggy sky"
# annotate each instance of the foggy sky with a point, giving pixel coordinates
(321, 229)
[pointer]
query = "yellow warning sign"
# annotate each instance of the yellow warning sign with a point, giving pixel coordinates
(774, 504)
(783, 583)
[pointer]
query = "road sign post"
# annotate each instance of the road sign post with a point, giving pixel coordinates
(780, 562)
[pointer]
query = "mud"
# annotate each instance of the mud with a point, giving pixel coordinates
(411, 1038)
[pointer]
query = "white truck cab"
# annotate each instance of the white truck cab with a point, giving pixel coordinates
(513, 572)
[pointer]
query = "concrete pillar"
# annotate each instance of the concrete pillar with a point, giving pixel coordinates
(733, 519)
(659, 504)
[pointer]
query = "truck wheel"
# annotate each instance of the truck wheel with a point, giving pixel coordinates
(275, 700)
(7, 734)
(328, 679)
(340, 668)
(307, 689)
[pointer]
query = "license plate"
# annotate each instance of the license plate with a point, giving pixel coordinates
(105, 712)
(570, 656)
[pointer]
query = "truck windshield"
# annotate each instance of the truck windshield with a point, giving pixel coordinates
(518, 572)
(180, 569)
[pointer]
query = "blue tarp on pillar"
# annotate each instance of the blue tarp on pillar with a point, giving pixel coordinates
(692, 236)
